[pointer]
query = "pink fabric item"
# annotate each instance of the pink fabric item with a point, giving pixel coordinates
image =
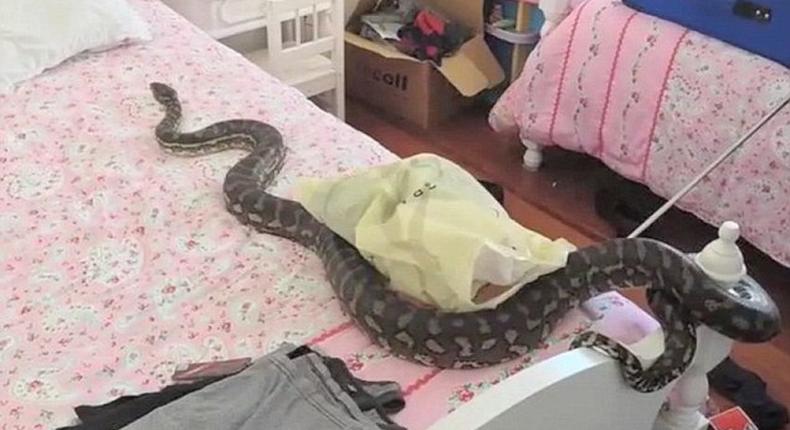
(119, 262)
(657, 103)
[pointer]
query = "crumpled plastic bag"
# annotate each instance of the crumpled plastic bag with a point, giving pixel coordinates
(433, 230)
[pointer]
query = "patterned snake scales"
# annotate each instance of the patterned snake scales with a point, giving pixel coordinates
(679, 293)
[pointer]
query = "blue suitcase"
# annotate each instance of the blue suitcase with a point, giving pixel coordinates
(759, 26)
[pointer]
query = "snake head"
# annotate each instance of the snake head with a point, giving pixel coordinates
(744, 312)
(163, 93)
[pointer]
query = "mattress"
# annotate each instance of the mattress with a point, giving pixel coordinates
(657, 103)
(119, 262)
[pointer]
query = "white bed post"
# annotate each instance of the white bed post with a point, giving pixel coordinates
(691, 391)
(533, 155)
(722, 261)
(339, 57)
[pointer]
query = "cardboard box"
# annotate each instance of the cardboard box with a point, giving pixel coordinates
(381, 76)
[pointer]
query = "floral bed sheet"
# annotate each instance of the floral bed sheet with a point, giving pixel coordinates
(657, 103)
(119, 262)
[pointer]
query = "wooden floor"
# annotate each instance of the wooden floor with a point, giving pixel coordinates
(558, 202)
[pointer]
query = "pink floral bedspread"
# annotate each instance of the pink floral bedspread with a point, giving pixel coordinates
(119, 262)
(657, 103)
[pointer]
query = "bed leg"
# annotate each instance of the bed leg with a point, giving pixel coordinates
(691, 391)
(533, 156)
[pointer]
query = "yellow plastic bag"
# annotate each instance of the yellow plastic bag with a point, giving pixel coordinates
(433, 230)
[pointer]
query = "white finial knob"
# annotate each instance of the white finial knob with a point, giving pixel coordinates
(722, 259)
(729, 231)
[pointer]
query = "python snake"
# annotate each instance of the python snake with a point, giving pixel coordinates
(680, 294)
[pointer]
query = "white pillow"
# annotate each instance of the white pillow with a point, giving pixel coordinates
(40, 34)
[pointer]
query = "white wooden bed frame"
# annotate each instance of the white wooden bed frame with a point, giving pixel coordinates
(583, 389)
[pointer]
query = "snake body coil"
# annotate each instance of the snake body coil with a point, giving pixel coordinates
(679, 293)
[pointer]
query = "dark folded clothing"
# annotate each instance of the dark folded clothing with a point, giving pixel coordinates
(125, 410)
(375, 399)
(276, 392)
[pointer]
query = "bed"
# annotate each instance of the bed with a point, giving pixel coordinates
(120, 262)
(656, 103)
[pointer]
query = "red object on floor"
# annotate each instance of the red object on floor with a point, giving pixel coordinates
(732, 419)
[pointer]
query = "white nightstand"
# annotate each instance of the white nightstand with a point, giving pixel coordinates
(298, 41)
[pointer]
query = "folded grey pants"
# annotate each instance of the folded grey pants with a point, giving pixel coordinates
(275, 392)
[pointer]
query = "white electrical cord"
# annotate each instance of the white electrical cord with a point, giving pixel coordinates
(657, 214)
